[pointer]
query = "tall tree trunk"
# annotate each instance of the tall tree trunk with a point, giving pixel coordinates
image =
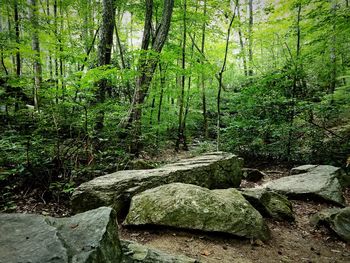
(180, 132)
(2, 52)
(204, 99)
(123, 63)
(241, 42)
(295, 81)
(104, 54)
(18, 55)
(33, 14)
(57, 50)
(218, 99)
(49, 22)
(333, 53)
(162, 84)
(63, 88)
(250, 37)
(147, 66)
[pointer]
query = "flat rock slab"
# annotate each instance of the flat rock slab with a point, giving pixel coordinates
(88, 237)
(269, 203)
(320, 182)
(337, 219)
(136, 253)
(214, 170)
(192, 207)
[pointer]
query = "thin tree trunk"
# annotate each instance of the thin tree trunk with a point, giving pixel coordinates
(104, 54)
(57, 50)
(2, 53)
(123, 64)
(33, 14)
(48, 21)
(218, 100)
(250, 38)
(204, 99)
(333, 55)
(241, 42)
(162, 84)
(18, 55)
(147, 66)
(61, 54)
(180, 132)
(295, 81)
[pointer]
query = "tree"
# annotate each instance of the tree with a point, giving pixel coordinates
(146, 67)
(33, 14)
(104, 54)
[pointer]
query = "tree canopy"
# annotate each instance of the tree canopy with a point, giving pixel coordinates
(88, 85)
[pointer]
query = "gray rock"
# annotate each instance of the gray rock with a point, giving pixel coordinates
(320, 182)
(337, 219)
(90, 237)
(269, 203)
(215, 170)
(136, 253)
(252, 175)
(192, 207)
(302, 169)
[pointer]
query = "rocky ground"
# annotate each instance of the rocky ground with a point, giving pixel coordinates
(290, 242)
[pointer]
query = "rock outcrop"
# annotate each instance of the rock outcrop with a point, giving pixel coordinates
(89, 237)
(136, 253)
(319, 181)
(215, 170)
(192, 207)
(337, 219)
(269, 203)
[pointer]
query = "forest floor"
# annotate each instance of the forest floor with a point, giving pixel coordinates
(290, 242)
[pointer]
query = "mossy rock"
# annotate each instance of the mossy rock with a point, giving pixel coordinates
(337, 219)
(211, 170)
(269, 203)
(192, 207)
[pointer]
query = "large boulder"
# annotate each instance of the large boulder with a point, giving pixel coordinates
(269, 203)
(337, 219)
(192, 207)
(90, 237)
(214, 170)
(136, 253)
(318, 182)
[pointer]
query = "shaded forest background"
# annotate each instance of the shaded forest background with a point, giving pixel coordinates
(89, 85)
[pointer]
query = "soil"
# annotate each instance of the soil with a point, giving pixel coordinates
(290, 242)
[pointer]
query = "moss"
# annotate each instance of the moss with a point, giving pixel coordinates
(192, 207)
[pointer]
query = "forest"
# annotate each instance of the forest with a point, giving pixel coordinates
(89, 86)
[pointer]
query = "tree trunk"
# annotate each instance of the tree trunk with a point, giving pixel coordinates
(33, 14)
(57, 51)
(294, 88)
(104, 54)
(241, 42)
(204, 99)
(180, 132)
(18, 55)
(147, 66)
(218, 99)
(162, 84)
(250, 38)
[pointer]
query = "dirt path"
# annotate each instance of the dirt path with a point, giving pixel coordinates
(296, 242)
